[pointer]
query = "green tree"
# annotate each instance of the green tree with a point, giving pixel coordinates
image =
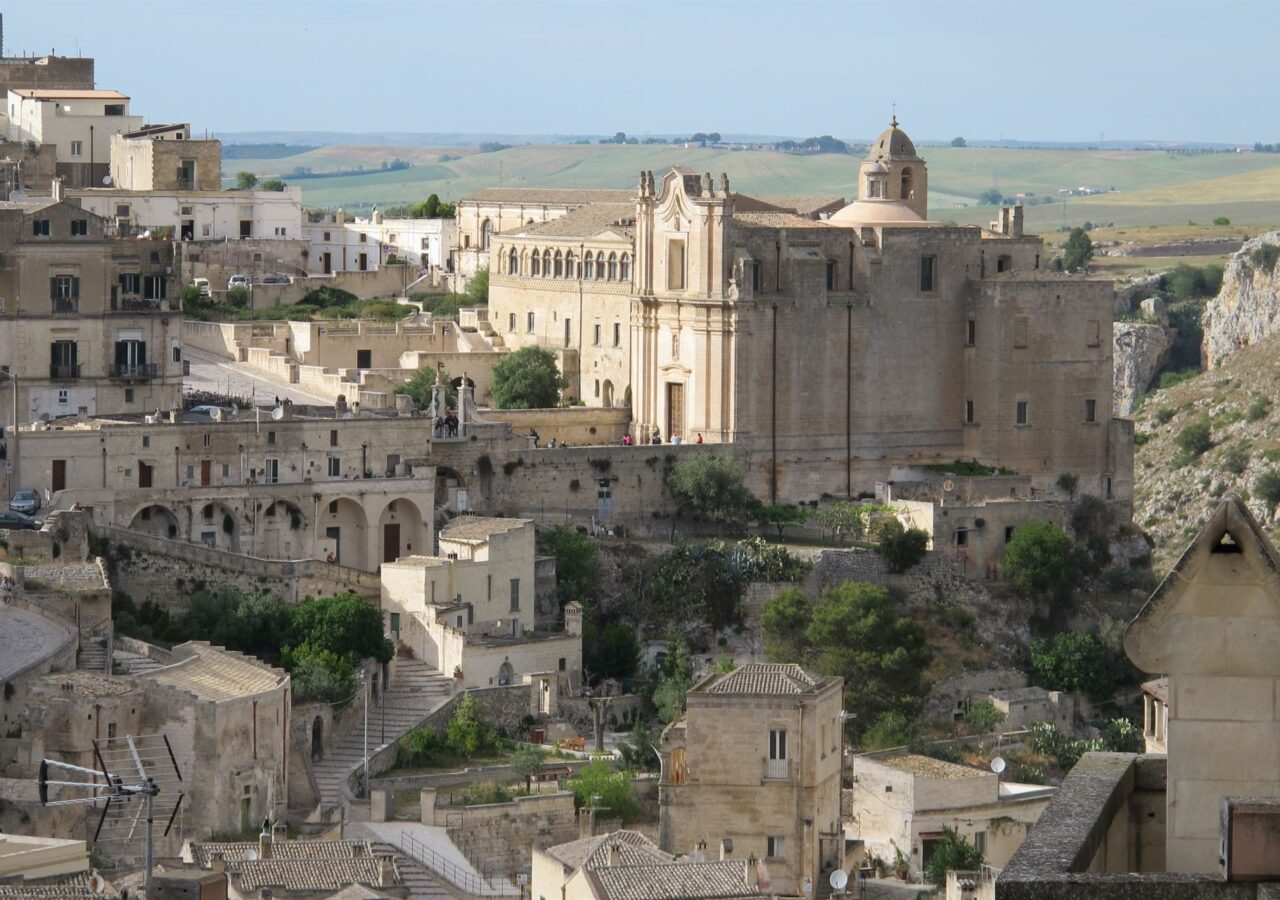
(1077, 251)
(319, 676)
(419, 388)
(527, 379)
(991, 196)
(983, 717)
(958, 142)
(1120, 735)
(421, 748)
(668, 697)
(952, 852)
(577, 562)
(892, 729)
(638, 754)
(780, 515)
(598, 785)
(1038, 559)
(1267, 486)
(246, 181)
(343, 624)
(469, 732)
(841, 517)
(1221, 220)
(1068, 481)
(527, 763)
(1073, 661)
(785, 622)
(251, 623)
(901, 547)
(272, 184)
(710, 486)
(1195, 438)
(478, 287)
(613, 652)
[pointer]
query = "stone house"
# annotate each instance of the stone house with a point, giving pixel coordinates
(752, 770)
(79, 122)
(472, 610)
(296, 870)
(339, 243)
(902, 801)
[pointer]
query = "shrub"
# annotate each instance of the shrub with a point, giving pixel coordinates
(1164, 414)
(983, 717)
(1267, 487)
(1072, 661)
(1172, 379)
(710, 486)
(1038, 559)
(1122, 736)
(1235, 460)
(597, 784)
(951, 852)
(890, 730)
(1221, 220)
(1265, 257)
(901, 547)
(321, 676)
(1258, 409)
(469, 732)
(1195, 438)
(421, 748)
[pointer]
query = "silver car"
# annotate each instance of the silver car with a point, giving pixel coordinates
(26, 502)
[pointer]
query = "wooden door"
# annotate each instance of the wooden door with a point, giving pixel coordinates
(144, 475)
(59, 475)
(675, 410)
(390, 541)
(206, 472)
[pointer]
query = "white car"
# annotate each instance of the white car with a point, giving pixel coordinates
(238, 281)
(202, 285)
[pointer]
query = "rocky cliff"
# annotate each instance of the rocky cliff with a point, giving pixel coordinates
(1139, 353)
(1247, 309)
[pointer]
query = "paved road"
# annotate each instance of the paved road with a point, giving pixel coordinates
(213, 373)
(25, 638)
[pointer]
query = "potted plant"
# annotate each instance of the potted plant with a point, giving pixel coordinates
(457, 672)
(900, 867)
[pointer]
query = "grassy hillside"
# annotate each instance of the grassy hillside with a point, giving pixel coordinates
(1175, 489)
(1153, 187)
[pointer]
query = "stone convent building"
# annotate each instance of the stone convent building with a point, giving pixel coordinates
(829, 347)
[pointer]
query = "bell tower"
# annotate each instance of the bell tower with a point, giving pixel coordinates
(892, 170)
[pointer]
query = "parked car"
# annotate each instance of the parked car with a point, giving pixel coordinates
(202, 285)
(26, 502)
(208, 409)
(237, 281)
(15, 521)
(275, 279)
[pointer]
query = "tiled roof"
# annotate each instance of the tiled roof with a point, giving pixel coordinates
(807, 206)
(85, 685)
(233, 853)
(63, 887)
(212, 673)
(928, 767)
(633, 849)
(585, 222)
(550, 196)
(673, 881)
(311, 874)
(764, 678)
(477, 528)
(775, 220)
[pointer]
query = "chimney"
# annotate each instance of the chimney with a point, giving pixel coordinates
(615, 853)
(1016, 228)
(753, 873)
(55, 187)
(726, 848)
(265, 841)
(386, 872)
(587, 822)
(216, 863)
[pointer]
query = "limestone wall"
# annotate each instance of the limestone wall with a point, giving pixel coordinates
(578, 425)
(499, 838)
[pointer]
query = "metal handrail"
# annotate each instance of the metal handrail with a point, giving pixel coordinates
(452, 872)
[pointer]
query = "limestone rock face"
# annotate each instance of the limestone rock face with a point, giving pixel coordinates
(1139, 352)
(1133, 290)
(1247, 309)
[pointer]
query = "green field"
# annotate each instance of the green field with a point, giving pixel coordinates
(1152, 187)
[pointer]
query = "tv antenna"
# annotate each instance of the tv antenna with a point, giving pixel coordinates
(137, 776)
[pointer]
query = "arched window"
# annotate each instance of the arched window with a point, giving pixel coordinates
(569, 270)
(535, 264)
(613, 267)
(625, 271)
(486, 234)
(907, 188)
(559, 265)
(546, 263)
(589, 265)
(513, 263)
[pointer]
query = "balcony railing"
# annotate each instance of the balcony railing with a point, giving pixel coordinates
(140, 304)
(777, 768)
(134, 370)
(66, 305)
(57, 371)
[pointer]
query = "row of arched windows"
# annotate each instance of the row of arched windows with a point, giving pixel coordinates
(554, 264)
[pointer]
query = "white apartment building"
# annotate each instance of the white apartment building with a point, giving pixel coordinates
(342, 244)
(79, 123)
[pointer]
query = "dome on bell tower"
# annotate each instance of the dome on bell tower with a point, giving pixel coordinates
(893, 143)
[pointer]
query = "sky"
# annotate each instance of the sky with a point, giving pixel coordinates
(1037, 70)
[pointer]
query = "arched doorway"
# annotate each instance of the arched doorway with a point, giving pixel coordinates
(400, 530)
(907, 187)
(607, 393)
(448, 484)
(216, 525)
(317, 739)
(341, 531)
(282, 528)
(157, 521)
(505, 674)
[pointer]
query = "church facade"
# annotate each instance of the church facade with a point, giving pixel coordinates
(829, 350)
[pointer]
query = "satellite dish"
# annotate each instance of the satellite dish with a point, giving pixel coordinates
(998, 765)
(106, 181)
(97, 883)
(839, 878)
(250, 855)
(277, 413)
(948, 485)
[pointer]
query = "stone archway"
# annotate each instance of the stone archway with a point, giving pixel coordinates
(342, 531)
(216, 525)
(448, 483)
(607, 393)
(281, 531)
(400, 531)
(505, 674)
(156, 520)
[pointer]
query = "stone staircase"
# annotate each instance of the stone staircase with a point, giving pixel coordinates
(92, 654)
(135, 663)
(416, 689)
(423, 884)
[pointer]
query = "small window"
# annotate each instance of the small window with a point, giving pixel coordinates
(40, 227)
(335, 467)
(122, 210)
(1091, 410)
(208, 439)
(971, 332)
(777, 744)
(364, 238)
(326, 236)
(617, 334)
(177, 353)
(562, 664)
(333, 438)
(333, 507)
(776, 847)
(1008, 533)
(962, 537)
(271, 437)
(511, 322)
(529, 324)
(757, 282)
(968, 412)
(77, 148)
(1021, 416)
(515, 594)
(128, 396)
(831, 275)
(64, 396)
(595, 335)
(927, 264)
(130, 283)
(1004, 263)
(79, 227)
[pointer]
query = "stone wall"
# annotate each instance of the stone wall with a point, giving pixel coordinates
(579, 425)
(499, 838)
(153, 568)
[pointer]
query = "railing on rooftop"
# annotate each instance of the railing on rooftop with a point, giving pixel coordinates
(451, 872)
(60, 372)
(64, 305)
(134, 370)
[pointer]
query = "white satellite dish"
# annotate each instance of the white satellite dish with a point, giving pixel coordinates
(250, 855)
(106, 181)
(839, 878)
(97, 883)
(998, 765)
(277, 413)
(948, 485)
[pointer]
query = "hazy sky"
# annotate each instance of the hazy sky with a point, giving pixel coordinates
(1025, 69)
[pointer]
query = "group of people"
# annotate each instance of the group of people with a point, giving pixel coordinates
(656, 438)
(447, 425)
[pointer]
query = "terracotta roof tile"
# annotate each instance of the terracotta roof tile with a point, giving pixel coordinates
(764, 678)
(476, 528)
(674, 881)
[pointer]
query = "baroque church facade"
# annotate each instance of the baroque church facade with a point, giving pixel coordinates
(831, 351)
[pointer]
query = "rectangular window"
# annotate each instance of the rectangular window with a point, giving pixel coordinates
(968, 412)
(777, 744)
(130, 283)
(364, 238)
(568, 331)
(326, 236)
(926, 273)
(79, 227)
(77, 148)
(1008, 533)
(675, 265)
(271, 471)
(515, 594)
(271, 437)
(756, 280)
(529, 324)
(776, 847)
(63, 396)
(971, 332)
(962, 537)
(113, 109)
(335, 466)
(1021, 416)
(1020, 331)
(1091, 410)
(831, 275)
(333, 438)
(40, 227)
(595, 335)
(155, 287)
(333, 507)
(617, 334)
(208, 439)
(511, 323)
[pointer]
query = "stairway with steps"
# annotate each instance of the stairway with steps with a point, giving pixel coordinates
(416, 689)
(92, 654)
(423, 884)
(134, 663)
